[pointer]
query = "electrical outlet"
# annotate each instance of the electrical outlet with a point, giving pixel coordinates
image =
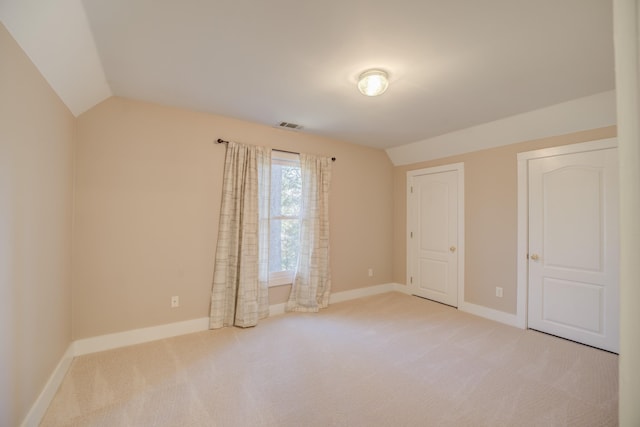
(371, 272)
(175, 301)
(498, 291)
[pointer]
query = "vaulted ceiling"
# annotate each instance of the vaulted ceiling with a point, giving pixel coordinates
(452, 63)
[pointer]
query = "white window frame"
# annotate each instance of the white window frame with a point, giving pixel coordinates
(280, 278)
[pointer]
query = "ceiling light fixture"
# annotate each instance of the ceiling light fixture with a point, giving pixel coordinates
(373, 82)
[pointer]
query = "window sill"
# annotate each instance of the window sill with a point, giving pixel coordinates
(281, 278)
(274, 285)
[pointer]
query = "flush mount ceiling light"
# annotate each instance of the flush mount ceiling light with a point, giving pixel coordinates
(373, 82)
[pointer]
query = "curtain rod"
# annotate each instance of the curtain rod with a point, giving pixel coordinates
(222, 141)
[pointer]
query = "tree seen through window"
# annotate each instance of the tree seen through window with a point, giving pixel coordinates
(286, 187)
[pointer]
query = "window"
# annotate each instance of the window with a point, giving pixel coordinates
(284, 241)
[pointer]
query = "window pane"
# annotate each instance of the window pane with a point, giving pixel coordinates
(286, 196)
(286, 188)
(291, 191)
(284, 244)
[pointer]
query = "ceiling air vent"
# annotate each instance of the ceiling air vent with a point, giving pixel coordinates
(288, 125)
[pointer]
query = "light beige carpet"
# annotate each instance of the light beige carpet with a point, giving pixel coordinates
(387, 360)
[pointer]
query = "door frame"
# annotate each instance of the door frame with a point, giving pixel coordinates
(459, 169)
(522, 285)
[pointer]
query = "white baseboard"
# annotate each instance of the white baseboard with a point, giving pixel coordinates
(139, 336)
(477, 310)
(277, 309)
(403, 289)
(38, 409)
(362, 292)
(142, 335)
(489, 313)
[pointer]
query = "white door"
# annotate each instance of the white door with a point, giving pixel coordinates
(434, 222)
(573, 247)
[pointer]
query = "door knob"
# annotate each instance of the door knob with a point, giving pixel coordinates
(452, 249)
(534, 257)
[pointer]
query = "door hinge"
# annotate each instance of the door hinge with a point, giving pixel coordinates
(412, 189)
(412, 234)
(411, 280)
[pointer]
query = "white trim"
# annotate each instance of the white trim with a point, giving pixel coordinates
(407, 232)
(523, 212)
(284, 158)
(138, 336)
(143, 335)
(152, 333)
(39, 407)
(459, 168)
(281, 278)
(399, 287)
(361, 292)
(522, 248)
(436, 169)
(277, 309)
(580, 114)
(489, 313)
(461, 236)
(582, 147)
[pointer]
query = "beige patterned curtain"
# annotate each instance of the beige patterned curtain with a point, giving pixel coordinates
(312, 281)
(241, 271)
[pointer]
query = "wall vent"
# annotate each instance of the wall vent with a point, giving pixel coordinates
(288, 125)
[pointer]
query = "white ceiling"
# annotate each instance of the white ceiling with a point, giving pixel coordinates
(453, 63)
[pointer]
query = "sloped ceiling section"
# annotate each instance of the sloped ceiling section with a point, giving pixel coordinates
(453, 64)
(57, 38)
(589, 112)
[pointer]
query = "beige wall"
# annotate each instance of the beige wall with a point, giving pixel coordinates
(627, 53)
(36, 165)
(147, 203)
(490, 217)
